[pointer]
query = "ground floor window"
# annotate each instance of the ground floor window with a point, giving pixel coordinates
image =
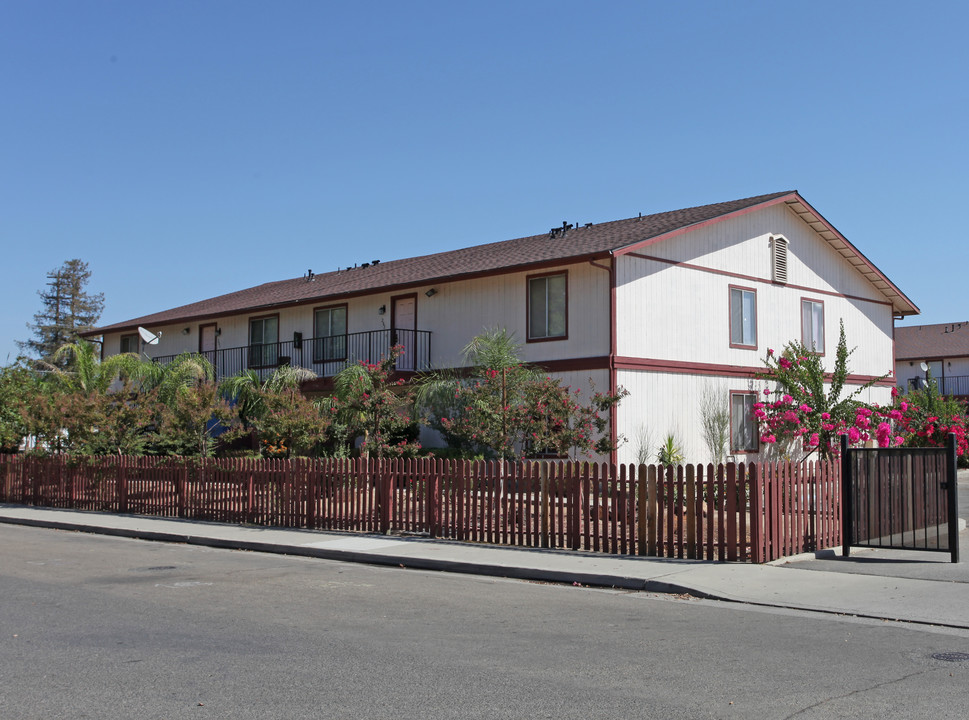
(743, 425)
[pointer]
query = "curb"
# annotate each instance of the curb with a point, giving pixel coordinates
(452, 566)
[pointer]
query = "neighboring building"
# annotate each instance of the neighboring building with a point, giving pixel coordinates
(944, 349)
(667, 305)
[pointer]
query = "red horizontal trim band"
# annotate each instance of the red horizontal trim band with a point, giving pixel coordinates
(745, 371)
(751, 278)
(566, 365)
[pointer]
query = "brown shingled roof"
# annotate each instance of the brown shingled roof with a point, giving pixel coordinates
(579, 243)
(923, 342)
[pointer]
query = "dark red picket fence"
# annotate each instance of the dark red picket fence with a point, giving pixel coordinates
(737, 512)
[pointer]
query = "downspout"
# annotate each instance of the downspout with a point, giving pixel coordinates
(613, 385)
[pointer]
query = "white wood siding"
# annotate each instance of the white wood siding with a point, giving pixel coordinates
(678, 313)
(662, 403)
(455, 314)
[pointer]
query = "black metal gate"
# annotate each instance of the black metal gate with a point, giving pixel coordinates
(900, 498)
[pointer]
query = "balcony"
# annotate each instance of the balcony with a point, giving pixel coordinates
(957, 385)
(325, 356)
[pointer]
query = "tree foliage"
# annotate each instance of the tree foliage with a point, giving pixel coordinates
(376, 409)
(508, 409)
(805, 416)
(67, 310)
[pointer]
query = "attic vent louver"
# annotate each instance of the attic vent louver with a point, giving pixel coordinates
(778, 258)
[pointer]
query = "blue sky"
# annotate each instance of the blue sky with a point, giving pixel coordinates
(188, 149)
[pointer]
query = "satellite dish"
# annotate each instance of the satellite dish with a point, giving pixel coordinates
(925, 368)
(149, 337)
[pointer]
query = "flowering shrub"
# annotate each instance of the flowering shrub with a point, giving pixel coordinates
(802, 415)
(375, 406)
(799, 416)
(924, 418)
(539, 416)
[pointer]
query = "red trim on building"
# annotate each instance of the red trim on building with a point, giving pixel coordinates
(744, 371)
(611, 360)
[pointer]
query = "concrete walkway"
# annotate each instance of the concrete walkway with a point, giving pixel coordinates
(939, 596)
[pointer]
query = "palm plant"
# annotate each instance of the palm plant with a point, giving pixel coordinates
(247, 390)
(495, 350)
(669, 453)
(84, 371)
(184, 372)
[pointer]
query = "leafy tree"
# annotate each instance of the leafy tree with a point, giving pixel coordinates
(68, 309)
(78, 367)
(803, 413)
(17, 383)
(191, 419)
(374, 406)
(439, 394)
(509, 409)
(291, 425)
(283, 422)
(247, 391)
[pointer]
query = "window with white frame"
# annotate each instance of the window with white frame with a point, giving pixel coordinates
(744, 436)
(330, 333)
(547, 307)
(129, 343)
(812, 325)
(743, 317)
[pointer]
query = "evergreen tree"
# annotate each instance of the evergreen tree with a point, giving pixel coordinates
(68, 309)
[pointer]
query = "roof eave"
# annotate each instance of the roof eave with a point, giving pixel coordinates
(393, 287)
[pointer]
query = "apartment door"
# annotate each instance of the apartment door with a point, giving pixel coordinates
(207, 342)
(403, 324)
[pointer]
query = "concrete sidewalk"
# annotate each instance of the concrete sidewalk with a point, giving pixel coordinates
(942, 599)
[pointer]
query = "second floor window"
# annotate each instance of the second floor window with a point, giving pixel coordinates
(129, 343)
(263, 339)
(330, 333)
(743, 317)
(812, 325)
(547, 307)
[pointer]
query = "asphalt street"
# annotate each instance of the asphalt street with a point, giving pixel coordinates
(101, 627)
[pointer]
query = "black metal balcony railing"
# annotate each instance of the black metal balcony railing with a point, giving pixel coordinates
(325, 356)
(950, 385)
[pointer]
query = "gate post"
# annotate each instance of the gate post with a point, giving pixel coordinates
(846, 509)
(952, 485)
